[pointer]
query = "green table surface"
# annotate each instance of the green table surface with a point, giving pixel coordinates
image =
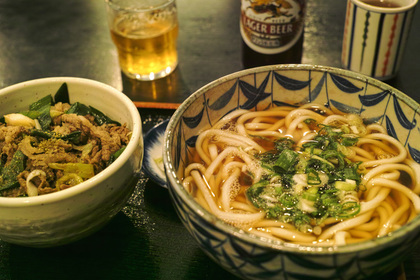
(146, 240)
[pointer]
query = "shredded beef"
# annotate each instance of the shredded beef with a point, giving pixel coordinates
(10, 136)
(96, 145)
(106, 139)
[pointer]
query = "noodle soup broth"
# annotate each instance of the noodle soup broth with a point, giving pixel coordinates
(304, 175)
(327, 183)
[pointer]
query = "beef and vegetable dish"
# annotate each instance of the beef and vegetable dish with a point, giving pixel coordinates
(55, 145)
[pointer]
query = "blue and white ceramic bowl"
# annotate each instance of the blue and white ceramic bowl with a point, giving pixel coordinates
(252, 257)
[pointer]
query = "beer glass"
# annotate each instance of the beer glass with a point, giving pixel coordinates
(145, 34)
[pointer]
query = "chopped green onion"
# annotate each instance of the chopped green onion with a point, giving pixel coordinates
(349, 141)
(348, 185)
(310, 196)
(286, 160)
(313, 177)
(312, 181)
(349, 209)
(323, 160)
(288, 200)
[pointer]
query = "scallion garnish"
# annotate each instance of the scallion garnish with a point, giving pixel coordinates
(311, 179)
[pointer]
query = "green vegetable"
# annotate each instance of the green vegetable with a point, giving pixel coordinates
(349, 141)
(78, 109)
(349, 209)
(115, 155)
(308, 182)
(10, 171)
(311, 194)
(286, 161)
(42, 108)
(41, 104)
(83, 170)
(70, 179)
(257, 194)
(348, 185)
(83, 110)
(278, 203)
(31, 114)
(85, 149)
(101, 118)
(73, 137)
(313, 176)
(284, 144)
(62, 94)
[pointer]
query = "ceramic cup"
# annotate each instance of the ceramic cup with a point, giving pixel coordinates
(375, 35)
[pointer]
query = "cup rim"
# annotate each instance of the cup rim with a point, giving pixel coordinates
(116, 6)
(378, 9)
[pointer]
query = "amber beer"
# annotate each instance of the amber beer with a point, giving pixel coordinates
(272, 31)
(146, 41)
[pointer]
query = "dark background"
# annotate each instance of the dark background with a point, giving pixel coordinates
(42, 38)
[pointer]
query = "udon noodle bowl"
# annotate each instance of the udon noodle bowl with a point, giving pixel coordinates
(304, 175)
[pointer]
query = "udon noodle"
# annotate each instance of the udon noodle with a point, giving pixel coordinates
(271, 173)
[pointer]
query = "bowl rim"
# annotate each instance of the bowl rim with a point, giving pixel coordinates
(174, 184)
(377, 9)
(45, 199)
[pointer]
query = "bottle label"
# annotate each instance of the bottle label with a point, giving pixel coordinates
(271, 26)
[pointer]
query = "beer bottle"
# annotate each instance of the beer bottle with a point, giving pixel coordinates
(272, 31)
